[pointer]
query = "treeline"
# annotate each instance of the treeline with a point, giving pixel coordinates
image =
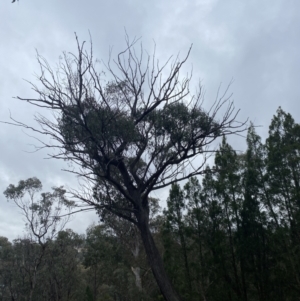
(235, 236)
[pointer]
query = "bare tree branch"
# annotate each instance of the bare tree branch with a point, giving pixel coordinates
(137, 131)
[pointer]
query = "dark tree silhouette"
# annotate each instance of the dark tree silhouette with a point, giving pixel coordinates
(138, 131)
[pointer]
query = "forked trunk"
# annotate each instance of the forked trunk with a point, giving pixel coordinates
(155, 260)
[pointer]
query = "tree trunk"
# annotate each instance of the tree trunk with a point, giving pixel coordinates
(138, 280)
(135, 250)
(155, 259)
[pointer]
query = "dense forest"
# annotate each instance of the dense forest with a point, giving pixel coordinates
(233, 234)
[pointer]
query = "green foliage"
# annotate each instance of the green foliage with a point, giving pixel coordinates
(233, 236)
(31, 185)
(242, 224)
(88, 294)
(181, 124)
(89, 126)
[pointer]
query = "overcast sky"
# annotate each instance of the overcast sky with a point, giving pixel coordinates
(255, 43)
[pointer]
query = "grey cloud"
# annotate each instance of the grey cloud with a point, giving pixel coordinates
(255, 42)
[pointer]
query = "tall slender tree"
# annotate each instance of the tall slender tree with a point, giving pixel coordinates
(283, 175)
(228, 190)
(197, 226)
(176, 227)
(253, 231)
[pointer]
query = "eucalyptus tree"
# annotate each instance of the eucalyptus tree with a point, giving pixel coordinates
(62, 273)
(131, 130)
(129, 238)
(43, 222)
(7, 279)
(108, 270)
